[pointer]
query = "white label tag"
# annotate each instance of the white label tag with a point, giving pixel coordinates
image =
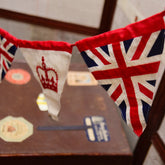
(76, 78)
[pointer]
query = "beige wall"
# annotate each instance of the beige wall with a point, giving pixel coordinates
(85, 12)
(127, 10)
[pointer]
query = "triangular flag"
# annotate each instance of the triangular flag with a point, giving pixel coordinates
(49, 61)
(8, 48)
(128, 63)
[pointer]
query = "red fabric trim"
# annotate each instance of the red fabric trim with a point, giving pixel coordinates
(46, 45)
(145, 91)
(8, 36)
(96, 53)
(148, 25)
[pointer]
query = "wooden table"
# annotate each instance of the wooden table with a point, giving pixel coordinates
(62, 146)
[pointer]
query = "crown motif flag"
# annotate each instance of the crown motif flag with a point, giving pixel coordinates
(8, 47)
(128, 64)
(48, 82)
(49, 61)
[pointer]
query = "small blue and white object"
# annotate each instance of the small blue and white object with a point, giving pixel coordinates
(94, 126)
(96, 129)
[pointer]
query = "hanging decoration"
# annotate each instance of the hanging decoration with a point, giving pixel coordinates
(8, 48)
(49, 62)
(128, 63)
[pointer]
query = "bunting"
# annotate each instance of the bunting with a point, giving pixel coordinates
(126, 62)
(8, 48)
(49, 62)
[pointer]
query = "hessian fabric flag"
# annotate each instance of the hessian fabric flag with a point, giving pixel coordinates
(49, 61)
(128, 64)
(8, 48)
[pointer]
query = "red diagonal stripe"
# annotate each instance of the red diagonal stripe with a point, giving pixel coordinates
(116, 93)
(145, 91)
(141, 47)
(96, 53)
(4, 65)
(6, 55)
(6, 43)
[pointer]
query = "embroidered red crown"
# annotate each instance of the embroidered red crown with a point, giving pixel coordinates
(48, 76)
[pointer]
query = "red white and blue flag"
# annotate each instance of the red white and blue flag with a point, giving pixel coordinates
(8, 47)
(128, 64)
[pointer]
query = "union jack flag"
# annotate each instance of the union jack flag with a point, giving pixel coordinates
(127, 70)
(7, 53)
